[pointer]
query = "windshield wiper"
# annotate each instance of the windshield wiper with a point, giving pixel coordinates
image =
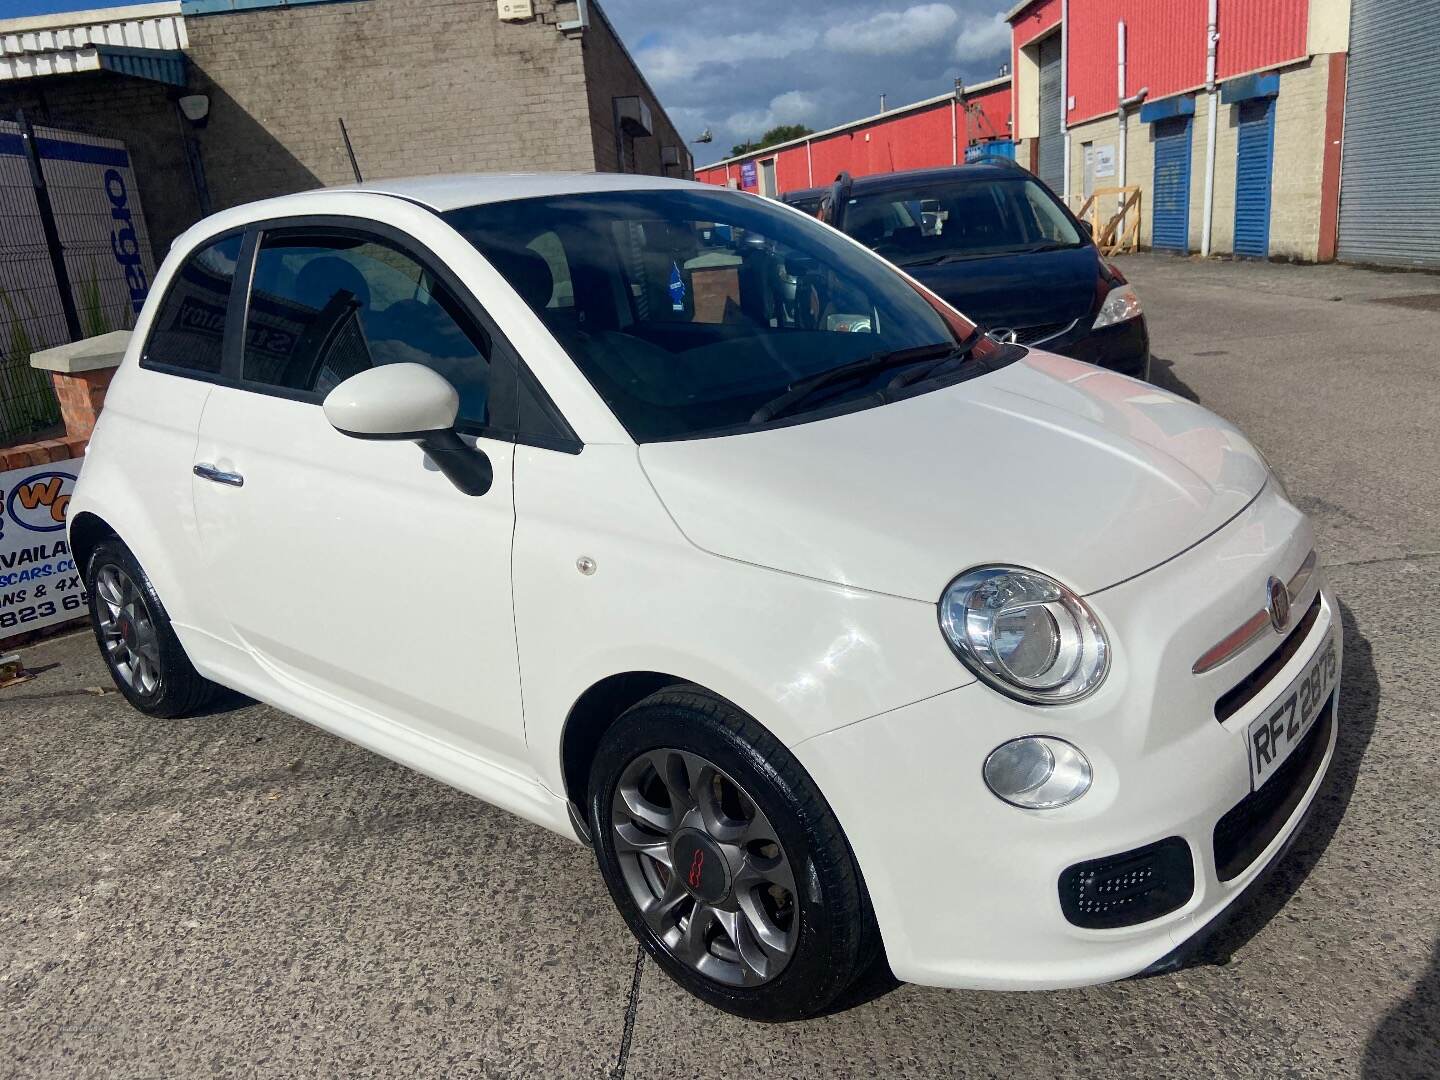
(855, 369)
(1048, 245)
(920, 374)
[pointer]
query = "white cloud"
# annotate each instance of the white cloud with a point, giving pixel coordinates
(891, 33)
(983, 38)
(675, 60)
(791, 107)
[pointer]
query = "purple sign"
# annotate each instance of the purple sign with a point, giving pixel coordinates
(747, 175)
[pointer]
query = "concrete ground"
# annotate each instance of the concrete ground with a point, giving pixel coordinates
(242, 895)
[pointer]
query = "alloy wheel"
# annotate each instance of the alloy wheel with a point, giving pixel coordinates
(705, 867)
(127, 630)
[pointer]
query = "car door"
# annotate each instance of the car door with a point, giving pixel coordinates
(351, 569)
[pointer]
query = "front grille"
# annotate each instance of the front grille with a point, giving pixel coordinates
(1034, 335)
(1250, 687)
(1248, 827)
(1133, 887)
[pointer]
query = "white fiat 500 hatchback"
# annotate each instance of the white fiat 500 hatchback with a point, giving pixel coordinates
(670, 519)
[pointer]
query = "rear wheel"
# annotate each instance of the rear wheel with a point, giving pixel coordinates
(145, 658)
(725, 860)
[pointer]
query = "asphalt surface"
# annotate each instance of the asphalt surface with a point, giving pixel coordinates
(243, 895)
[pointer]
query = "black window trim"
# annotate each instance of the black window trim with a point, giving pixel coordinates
(232, 348)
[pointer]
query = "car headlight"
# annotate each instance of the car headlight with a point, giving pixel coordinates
(1122, 304)
(1025, 634)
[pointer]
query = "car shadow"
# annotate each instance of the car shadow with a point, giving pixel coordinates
(1162, 374)
(1404, 1043)
(226, 701)
(1359, 707)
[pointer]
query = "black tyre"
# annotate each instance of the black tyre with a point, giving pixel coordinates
(726, 861)
(144, 656)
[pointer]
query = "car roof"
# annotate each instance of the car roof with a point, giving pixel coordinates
(467, 189)
(803, 193)
(911, 177)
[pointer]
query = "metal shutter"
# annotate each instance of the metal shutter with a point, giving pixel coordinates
(1170, 225)
(1052, 139)
(1390, 182)
(1254, 161)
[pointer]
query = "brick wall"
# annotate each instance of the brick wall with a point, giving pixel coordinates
(611, 73)
(134, 110)
(42, 453)
(1295, 189)
(424, 86)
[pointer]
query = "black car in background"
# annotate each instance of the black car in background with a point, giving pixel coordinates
(996, 243)
(807, 199)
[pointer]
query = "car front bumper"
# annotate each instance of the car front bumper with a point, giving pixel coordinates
(1123, 347)
(966, 888)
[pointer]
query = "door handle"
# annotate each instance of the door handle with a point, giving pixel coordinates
(219, 476)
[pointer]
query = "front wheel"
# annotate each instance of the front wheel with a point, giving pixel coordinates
(725, 860)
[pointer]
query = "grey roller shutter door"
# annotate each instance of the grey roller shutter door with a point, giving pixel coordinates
(1390, 183)
(1052, 139)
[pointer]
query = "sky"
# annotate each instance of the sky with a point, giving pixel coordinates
(739, 67)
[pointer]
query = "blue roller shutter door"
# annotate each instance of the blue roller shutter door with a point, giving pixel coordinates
(1170, 224)
(1254, 165)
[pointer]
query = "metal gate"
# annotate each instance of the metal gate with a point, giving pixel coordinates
(75, 257)
(1052, 137)
(1390, 182)
(1170, 225)
(1254, 164)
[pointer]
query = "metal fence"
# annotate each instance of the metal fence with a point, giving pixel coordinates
(74, 259)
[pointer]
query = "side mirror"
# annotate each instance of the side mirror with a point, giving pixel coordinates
(1086, 230)
(413, 403)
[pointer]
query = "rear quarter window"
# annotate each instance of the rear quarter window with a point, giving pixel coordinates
(189, 329)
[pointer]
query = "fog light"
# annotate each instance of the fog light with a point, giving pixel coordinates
(1037, 772)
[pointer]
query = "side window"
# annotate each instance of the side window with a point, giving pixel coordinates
(189, 330)
(326, 305)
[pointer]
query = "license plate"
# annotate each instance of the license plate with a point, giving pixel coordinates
(1274, 736)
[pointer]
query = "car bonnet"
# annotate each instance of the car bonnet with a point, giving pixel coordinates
(1083, 474)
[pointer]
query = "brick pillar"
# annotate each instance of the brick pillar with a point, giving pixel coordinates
(81, 372)
(81, 396)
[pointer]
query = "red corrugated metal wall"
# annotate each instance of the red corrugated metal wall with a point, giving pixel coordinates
(1260, 33)
(1166, 45)
(911, 140)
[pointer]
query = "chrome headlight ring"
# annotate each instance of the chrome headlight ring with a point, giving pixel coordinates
(1025, 634)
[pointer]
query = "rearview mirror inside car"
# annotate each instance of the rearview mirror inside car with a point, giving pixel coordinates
(413, 403)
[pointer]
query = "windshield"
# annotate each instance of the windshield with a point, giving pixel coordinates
(950, 219)
(692, 312)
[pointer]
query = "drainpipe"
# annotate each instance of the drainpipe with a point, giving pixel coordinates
(809, 166)
(955, 131)
(1122, 138)
(1065, 90)
(1212, 39)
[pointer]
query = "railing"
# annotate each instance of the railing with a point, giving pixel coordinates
(1120, 233)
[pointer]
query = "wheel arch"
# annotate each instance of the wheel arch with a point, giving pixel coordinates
(86, 531)
(597, 709)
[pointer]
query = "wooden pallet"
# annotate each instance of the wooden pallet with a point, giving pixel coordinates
(1120, 233)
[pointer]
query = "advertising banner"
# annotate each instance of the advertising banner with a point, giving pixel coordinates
(39, 582)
